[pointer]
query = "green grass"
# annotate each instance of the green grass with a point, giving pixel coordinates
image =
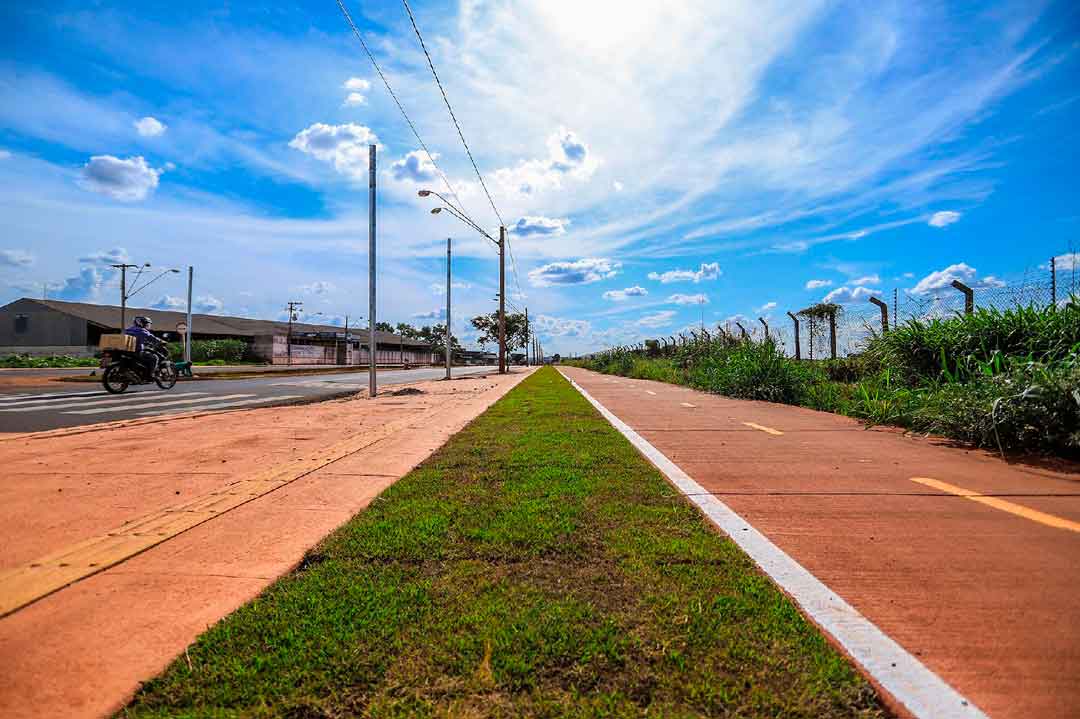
(536, 565)
(49, 362)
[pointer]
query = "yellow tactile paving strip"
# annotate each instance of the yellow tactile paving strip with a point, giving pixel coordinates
(34, 580)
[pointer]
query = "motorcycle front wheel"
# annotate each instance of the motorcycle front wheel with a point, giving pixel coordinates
(114, 379)
(166, 376)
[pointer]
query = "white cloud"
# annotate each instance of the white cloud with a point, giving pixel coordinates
(357, 89)
(657, 319)
(84, 286)
(415, 166)
(1067, 262)
(440, 288)
(432, 315)
(561, 327)
(943, 218)
(620, 295)
(850, 295)
(538, 225)
(319, 287)
(579, 272)
(617, 186)
(16, 258)
(866, 280)
(818, 284)
(943, 279)
(680, 299)
(4, 154)
(115, 256)
(168, 302)
(127, 180)
(567, 156)
(707, 271)
(150, 127)
(208, 304)
(767, 307)
(344, 146)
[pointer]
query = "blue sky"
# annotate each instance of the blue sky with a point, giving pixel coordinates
(653, 162)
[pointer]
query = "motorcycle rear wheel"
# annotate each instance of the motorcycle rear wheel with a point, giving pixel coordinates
(114, 379)
(166, 376)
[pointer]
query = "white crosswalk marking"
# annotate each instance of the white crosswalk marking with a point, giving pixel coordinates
(112, 401)
(148, 405)
(222, 405)
(27, 398)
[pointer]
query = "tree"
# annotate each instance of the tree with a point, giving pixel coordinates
(384, 327)
(488, 327)
(436, 337)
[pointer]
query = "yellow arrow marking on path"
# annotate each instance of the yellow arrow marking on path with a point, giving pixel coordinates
(763, 428)
(1005, 506)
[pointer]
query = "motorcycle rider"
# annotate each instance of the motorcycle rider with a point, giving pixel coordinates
(144, 340)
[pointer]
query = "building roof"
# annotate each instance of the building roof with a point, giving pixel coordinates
(108, 317)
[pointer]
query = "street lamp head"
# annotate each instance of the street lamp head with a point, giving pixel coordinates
(424, 193)
(147, 264)
(436, 210)
(175, 271)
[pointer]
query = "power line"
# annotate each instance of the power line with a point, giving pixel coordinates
(453, 117)
(416, 134)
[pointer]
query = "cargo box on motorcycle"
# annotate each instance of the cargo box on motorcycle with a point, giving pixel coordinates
(122, 343)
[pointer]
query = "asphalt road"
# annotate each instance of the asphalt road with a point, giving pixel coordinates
(72, 404)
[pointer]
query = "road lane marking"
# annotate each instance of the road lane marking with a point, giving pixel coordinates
(921, 691)
(763, 428)
(38, 398)
(687, 404)
(111, 401)
(220, 405)
(151, 405)
(649, 391)
(1019, 510)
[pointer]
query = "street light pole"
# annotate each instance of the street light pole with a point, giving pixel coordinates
(293, 306)
(448, 350)
(371, 272)
(187, 335)
(502, 300)
(527, 363)
(123, 267)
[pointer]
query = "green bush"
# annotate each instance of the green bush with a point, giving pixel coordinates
(51, 361)
(211, 351)
(753, 370)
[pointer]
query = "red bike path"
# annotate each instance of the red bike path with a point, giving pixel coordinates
(983, 590)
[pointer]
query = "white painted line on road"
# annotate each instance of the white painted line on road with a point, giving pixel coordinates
(687, 404)
(53, 397)
(649, 391)
(222, 405)
(112, 401)
(920, 690)
(146, 405)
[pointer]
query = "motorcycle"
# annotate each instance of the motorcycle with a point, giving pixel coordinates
(122, 369)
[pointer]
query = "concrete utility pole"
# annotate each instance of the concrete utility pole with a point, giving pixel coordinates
(502, 300)
(527, 338)
(1053, 282)
(884, 313)
(798, 347)
(371, 273)
(123, 291)
(187, 335)
(448, 343)
(292, 309)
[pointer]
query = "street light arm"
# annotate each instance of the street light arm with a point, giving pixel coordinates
(470, 223)
(148, 283)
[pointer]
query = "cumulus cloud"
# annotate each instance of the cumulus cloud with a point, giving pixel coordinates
(943, 218)
(617, 186)
(150, 127)
(319, 287)
(867, 280)
(579, 272)
(818, 284)
(767, 307)
(561, 327)
(1067, 262)
(440, 288)
(208, 304)
(168, 302)
(567, 156)
(415, 166)
(356, 88)
(707, 271)
(4, 154)
(16, 258)
(850, 295)
(537, 225)
(83, 286)
(115, 256)
(432, 315)
(127, 180)
(943, 279)
(698, 299)
(620, 295)
(657, 319)
(343, 146)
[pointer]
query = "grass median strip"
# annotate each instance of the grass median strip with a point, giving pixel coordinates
(536, 565)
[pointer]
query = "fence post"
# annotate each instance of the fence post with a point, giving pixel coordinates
(969, 296)
(810, 344)
(1053, 282)
(798, 349)
(832, 333)
(884, 313)
(765, 324)
(743, 330)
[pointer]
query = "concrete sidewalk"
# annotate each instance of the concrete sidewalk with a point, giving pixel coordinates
(164, 528)
(985, 591)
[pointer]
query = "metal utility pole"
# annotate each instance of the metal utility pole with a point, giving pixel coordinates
(293, 308)
(502, 300)
(348, 345)
(527, 338)
(448, 349)
(187, 335)
(123, 292)
(371, 273)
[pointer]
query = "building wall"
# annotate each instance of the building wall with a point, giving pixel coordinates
(27, 324)
(275, 350)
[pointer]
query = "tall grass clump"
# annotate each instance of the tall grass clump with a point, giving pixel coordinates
(752, 370)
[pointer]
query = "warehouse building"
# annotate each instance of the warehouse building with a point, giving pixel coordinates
(50, 327)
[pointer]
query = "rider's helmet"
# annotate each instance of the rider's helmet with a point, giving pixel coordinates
(142, 321)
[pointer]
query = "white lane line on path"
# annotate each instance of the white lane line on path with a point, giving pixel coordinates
(54, 397)
(110, 401)
(920, 690)
(649, 391)
(687, 404)
(151, 405)
(222, 405)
